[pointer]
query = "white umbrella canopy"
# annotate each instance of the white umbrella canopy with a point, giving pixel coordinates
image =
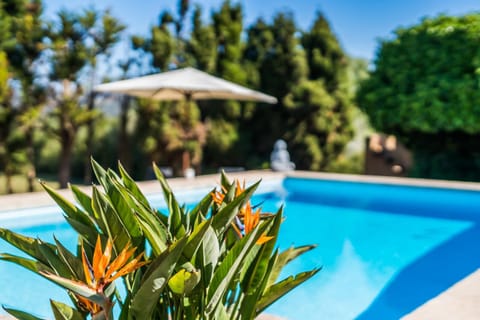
(184, 84)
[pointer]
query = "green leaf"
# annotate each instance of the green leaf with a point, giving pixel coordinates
(77, 288)
(24, 243)
(70, 260)
(112, 224)
(21, 315)
(256, 272)
(68, 208)
(278, 290)
(224, 181)
(117, 196)
(195, 239)
(201, 209)
(230, 266)
(208, 255)
(52, 259)
(28, 264)
(100, 173)
(86, 232)
(155, 279)
(61, 311)
(132, 186)
(248, 308)
(83, 199)
(153, 229)
(183, 282)
(284, 258)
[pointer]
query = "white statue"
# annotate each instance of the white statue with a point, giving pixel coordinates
(280, 158)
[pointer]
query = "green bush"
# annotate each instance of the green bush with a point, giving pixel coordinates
(216, 261)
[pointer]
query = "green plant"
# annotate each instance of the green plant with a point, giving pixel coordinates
(215, 261)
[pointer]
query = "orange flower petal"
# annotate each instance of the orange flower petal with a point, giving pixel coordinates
(97, 256)
(87, 268)
(264, 239)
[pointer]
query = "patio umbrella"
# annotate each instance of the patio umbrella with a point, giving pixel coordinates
(183, 84)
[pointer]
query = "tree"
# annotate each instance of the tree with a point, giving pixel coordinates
(223, 117)
(424, 89)
(179, 122)
(102, 32)
(272, 49)
(69, 57)
(10, 156)
(27, 26)
(202, 45)
(320, 125)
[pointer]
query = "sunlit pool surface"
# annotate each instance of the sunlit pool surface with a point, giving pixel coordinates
(384, 250)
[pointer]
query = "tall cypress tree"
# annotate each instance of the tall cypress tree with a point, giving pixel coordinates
(202, 46)
(272, 49)
(223, 117)
(320, 125)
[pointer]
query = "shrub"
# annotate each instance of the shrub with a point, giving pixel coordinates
(215, 261)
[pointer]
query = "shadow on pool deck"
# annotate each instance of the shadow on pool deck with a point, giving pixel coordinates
(426, 277)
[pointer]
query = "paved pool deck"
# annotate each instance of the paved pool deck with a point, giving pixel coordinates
(461, 301)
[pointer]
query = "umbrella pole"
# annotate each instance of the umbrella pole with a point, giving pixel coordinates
(186, 161)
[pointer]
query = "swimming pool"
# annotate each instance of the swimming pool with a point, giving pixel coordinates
(384, 249)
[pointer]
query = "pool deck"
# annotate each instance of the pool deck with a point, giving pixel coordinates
(461, 301)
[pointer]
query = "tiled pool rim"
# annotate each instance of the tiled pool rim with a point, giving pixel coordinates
(461, 299)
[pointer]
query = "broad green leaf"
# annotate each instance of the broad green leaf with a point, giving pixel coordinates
(21, 315)
(175, 217)
(77, 288)
(117, 195)
(132, 186)
(183, 282)
(68, 208)
(70, 260)
(86, 232)
(83, 199)
(256, 272)
(195, 239)
(229, 267)
(52, 259)
(224, 181)
(209, 254)
(24, 243)
(100, 173)
(113, 225)
(29, 264)
(155, 280)
(153, 229)
(61, 311)
(201, 209)
(248, 308)
(284, 258)
(278, 290)
(221, 313)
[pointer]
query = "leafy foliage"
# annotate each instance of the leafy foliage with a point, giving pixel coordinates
(215, 261)
(422, 88)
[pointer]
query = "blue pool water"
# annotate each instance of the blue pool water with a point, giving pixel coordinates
(384, 249)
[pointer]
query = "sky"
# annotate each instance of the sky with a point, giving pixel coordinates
(357, 24)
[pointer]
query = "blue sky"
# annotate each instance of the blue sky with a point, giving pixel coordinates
(357, 24)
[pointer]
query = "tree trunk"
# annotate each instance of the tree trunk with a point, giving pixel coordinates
(8, 180)
(87, 177)
(31, 173)
(124, 152)
(65, 159)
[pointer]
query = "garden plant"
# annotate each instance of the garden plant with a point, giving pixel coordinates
(218, 260)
